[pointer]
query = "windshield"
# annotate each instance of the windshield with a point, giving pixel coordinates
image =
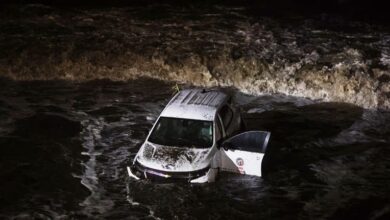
(182, 133)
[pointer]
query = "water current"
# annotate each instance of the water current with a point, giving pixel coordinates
(64, 147)
(81, 87)
(323, 57)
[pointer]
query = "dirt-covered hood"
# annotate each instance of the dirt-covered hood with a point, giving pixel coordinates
(173, 159)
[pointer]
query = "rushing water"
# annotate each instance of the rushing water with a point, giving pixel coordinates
(68, 132)
(319, 57)
(64, 147)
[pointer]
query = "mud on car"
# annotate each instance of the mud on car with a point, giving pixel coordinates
(195, 137)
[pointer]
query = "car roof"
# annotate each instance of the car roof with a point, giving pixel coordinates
(197, 104)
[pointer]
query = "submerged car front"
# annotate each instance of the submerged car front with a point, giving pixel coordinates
(176, 149)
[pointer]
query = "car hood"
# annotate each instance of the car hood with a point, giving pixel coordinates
(173, 159)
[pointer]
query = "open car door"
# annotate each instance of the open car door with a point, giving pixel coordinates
(244, 152)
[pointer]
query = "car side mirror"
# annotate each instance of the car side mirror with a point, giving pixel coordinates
(222, 143)
(226, 145)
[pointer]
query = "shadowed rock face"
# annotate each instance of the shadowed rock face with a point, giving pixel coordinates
(321, 58)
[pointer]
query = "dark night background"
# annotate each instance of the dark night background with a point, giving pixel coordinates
(82, 82)
(362, 9)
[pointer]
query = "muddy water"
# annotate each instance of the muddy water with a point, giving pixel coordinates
(321, 57)
(64, 148)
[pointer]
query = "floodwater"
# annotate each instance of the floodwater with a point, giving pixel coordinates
(64, 147)
(320, 57)
(81, 87)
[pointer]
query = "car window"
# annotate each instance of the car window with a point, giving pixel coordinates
(226, 115)
(180, 132)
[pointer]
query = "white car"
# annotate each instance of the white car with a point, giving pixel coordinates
(195, 137)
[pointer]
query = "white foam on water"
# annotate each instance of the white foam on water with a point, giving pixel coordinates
(95, 202)
(301, 60)
(385, 53)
